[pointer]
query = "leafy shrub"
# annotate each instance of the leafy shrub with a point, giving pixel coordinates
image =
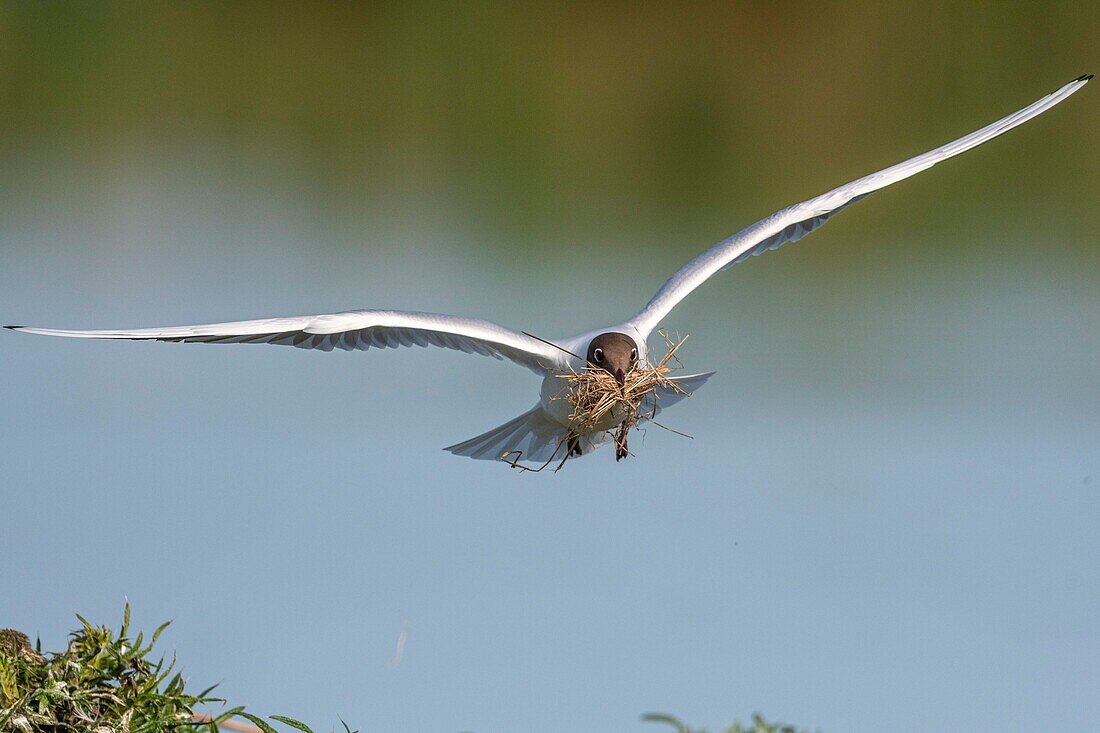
(104, 683)
(107, 683)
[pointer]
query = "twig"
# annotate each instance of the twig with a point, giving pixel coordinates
(513, 458)
(671, 430)
(551, 343)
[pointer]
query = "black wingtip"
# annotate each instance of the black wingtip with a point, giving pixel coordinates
(15, 328)
(1084, 77)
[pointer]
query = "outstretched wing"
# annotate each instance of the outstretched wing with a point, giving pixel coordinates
(795, 222)
(361, 330)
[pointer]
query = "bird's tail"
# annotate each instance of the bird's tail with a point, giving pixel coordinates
(534, 437)
(529, 438)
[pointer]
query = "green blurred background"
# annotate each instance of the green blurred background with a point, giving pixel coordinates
(886, 520)
(568, 123)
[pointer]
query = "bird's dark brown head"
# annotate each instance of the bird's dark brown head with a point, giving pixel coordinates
(614, 352)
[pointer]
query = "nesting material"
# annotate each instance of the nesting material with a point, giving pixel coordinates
(598, 400)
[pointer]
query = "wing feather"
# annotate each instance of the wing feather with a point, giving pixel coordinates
(351, 330)
(794, 222)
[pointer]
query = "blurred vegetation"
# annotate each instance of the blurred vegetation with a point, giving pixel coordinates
(552, 121)
(107, 682)
(759, 725)
(103, 682)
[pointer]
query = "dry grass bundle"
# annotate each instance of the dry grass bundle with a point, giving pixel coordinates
(599, 403)
(597, 398)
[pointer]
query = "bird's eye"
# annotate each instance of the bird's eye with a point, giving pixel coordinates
(598, 355)
(633, 355)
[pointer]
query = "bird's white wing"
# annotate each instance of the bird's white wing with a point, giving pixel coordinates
(362, 329)
(795, 222)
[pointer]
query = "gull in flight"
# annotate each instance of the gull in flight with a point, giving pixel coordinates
(545, 432)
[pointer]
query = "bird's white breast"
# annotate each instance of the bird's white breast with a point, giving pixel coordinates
(555, 401)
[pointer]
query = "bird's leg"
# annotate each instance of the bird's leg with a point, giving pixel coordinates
(621, 450)
(572, 448)
(572, 444)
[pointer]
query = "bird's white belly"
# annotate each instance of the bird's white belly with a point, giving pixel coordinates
(555, 401)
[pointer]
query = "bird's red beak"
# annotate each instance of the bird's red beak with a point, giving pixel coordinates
(620, 377)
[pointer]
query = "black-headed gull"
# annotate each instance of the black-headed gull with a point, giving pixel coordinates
(544, 433)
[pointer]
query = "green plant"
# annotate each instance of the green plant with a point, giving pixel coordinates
(759, 725)
(105, 682)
